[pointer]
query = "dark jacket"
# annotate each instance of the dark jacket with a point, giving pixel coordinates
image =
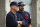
(25, 16)
(11, 20)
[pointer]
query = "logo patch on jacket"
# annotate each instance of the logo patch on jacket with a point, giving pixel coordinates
(26, 16)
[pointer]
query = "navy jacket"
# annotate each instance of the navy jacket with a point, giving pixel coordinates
(26, 16)
(11, 21)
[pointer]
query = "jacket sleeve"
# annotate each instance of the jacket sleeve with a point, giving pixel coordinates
(11, 20)
(29, 20)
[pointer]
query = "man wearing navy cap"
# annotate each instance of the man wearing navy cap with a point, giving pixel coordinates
(25, 16)
(11, 18)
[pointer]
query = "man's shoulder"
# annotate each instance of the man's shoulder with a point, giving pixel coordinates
(26, 12)
(10, 15)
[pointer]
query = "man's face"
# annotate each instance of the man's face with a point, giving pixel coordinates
(21, 8)
(14, 7)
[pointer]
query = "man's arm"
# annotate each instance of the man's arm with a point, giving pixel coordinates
(29, 21)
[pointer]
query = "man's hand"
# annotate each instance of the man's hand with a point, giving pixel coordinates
(20, 22)
(19, 25)
(29, 25)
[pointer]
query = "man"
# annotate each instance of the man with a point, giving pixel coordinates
(24, 15)
(11, 18)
